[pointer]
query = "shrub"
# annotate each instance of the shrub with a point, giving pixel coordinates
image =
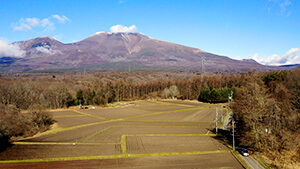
(13, 123)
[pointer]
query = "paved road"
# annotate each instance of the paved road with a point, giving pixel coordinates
(252, 163)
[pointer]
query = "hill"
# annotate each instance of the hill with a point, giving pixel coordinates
(119, 51)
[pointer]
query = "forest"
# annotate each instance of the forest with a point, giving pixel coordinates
(266, 105)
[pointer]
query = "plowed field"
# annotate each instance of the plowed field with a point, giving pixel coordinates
(152, 134)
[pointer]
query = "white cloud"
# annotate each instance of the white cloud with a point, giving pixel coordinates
(61, 18)
(280, 7)
(27, 24)
(12, 50)
(292, 51)
(122, 28)
(284, 4)
(59, 37)
(46, 50)
(46, 23)
(30, 23)
(289, 57)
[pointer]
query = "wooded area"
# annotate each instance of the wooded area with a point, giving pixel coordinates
(266, 104)
(268, 116)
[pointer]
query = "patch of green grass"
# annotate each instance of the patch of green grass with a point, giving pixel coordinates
(175, 135)
(61, 143)
(65, 159)
(170, 121)
(123, 144)
(178, 153)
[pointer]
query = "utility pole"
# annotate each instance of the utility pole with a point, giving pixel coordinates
(216, 120)
(233, 142)
(203, 65)
(222, 113)
(230, 98)
(129, 68)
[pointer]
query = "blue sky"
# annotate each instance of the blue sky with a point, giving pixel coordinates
(266, 30)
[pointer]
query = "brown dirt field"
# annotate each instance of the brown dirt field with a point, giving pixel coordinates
(115, 113)
(162, 144)
(148, 103)
(75, 121)
(212, 161)
(161, 108)
(113, 135)
(20, 152)
(71, 135)
(63, 113)
(93, 133)
(191, 115)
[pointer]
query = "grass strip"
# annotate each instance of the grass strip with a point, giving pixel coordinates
(103, 118)
(170, 121)
(155, 135)
(143, 126)
(123, 143)
(61, 143)
(113, 156)
(66, 159)
(173, 104)
(178, 153)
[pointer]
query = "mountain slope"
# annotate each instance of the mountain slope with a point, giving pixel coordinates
(115, 49)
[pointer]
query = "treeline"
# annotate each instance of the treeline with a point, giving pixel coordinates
(52, 93)
(267, 110)
(210, 95)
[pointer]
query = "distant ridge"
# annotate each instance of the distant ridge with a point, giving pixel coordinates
(118, 51)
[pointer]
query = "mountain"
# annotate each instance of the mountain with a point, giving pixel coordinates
(114, 51)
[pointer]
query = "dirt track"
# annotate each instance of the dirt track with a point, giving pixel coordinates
(169, 134)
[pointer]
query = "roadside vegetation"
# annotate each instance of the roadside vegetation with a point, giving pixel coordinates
(266, 105)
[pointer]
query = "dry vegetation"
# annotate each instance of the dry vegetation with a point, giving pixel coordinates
(267, 111)
(266, 107)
